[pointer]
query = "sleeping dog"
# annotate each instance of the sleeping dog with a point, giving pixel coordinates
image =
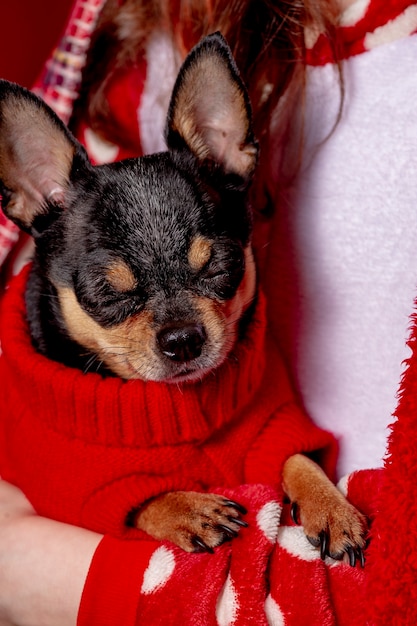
(144, 284)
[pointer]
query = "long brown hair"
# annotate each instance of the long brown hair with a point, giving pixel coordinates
(267, 38)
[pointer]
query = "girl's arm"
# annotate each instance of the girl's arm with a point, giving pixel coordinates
(43, 565)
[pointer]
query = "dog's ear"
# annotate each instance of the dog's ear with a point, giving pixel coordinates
(210, 112)
(36, 155)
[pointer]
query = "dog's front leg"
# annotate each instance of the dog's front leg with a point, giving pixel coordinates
(196, 522)
(329, 520)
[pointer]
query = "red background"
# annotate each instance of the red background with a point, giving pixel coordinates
(29, 29)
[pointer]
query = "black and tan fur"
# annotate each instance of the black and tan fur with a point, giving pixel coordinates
(143, 268)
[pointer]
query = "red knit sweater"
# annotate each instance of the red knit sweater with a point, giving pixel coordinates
(86, 449)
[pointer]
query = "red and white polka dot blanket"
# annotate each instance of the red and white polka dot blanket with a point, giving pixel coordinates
(269, 576)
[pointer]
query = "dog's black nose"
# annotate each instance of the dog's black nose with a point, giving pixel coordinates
(182, 343)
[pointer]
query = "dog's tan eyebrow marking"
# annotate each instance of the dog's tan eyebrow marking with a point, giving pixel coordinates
(120, 276)
(199, 252)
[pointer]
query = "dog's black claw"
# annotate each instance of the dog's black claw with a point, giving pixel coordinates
(229, 532)
(356, 556)
(294, 513)
(324, 542)
(235, 505)
(352, 556)
(200, 546)
(238, 521)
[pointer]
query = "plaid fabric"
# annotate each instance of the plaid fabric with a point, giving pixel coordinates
(60, 80)
(9, 234)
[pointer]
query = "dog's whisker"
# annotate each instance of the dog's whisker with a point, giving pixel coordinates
(51, 296)
(91, 362)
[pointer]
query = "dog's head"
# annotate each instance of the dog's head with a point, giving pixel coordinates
(143, 264)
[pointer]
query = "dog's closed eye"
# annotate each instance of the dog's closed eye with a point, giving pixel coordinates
(221, 275)
(107, 289)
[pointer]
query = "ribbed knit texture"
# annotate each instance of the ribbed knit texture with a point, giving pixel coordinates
(86, 449)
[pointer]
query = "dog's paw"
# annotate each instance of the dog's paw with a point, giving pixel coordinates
(334, 526)
(330, 522)
(196, 522)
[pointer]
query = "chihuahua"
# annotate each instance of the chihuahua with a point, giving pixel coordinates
(143, 269)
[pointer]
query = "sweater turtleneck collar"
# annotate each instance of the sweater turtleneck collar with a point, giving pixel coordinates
(111, 411)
